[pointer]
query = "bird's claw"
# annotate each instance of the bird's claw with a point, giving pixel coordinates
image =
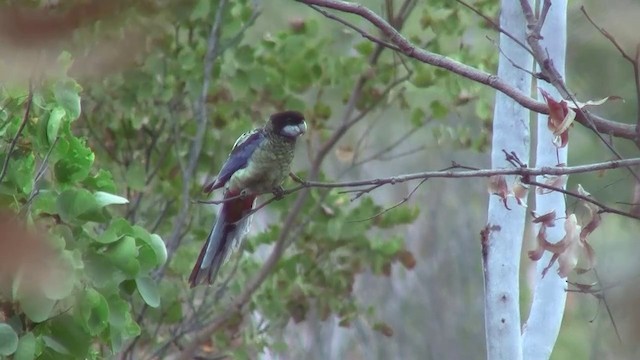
(244, 193)
(278, 192)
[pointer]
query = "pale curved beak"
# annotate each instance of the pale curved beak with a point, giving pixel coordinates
(295, 130)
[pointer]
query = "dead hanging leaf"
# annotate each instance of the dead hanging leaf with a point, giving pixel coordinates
(568, 260)
(557, 182)
(327, 210)
(407, 259)
(559, 120)
(596, 102)
(520, 192)
(345, 153)
(585, 288)
(536, 254)
(498, 186)
(548, 219)
(594, 219)
(383, 328)
(565, 251)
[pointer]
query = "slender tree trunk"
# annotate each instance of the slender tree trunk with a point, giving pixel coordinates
(503, 242)
(542, 327)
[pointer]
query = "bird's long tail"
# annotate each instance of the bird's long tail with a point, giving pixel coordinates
(227, 232)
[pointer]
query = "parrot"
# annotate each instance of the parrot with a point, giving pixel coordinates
(259, 162)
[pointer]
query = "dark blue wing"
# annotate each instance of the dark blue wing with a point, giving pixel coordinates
(238, 159)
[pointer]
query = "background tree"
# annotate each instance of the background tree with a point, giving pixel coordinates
(167, 88)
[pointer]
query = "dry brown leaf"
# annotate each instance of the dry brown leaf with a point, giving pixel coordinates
(559, 120)
(548, 219)
(568, 260)
(345, 153)
(407, 259)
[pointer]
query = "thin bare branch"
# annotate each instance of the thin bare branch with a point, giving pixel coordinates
(14, 141)
(633, 61)
(495, 25)
(409, 49)
(399, 203)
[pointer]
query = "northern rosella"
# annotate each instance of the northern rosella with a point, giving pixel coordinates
(259, 162)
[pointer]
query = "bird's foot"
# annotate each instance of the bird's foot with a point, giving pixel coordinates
(243, 193)
(278, 192)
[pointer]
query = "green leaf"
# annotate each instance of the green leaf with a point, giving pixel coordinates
(116, 230)
(45, 202)
(418, 116)
(72, 203)
(148, 290)
(155, 243)
(54, 122)
(423, 77)
(201, 10)
(75, 160)
(102, 181)
(388, 247)
(8, 340)
(122, 255)
(105, 199)
(67, 336)
(438, 109)
(36, 306)
(26, 347)
(95, 311)
(364, 48)
(67, 97)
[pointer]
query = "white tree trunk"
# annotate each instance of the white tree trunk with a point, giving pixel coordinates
(542, 327)
(501, 252)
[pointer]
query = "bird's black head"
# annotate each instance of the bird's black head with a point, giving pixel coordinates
(289, 124)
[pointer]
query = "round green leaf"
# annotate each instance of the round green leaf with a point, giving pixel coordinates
(26, 347)
(95, 311)
(123, 255)
(37, 307)
(148, 290)
(72, 203)
(67, 336)
(116, 230)
(8, 340)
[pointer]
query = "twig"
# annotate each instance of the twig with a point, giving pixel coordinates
(357, 29)
(39, 174)
(521, 171)
(14, 141)
(496, 26)
(409, 49)
(633, 61)
(399, 203)
(603, 207)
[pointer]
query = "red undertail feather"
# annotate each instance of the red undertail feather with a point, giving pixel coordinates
(231, 216)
